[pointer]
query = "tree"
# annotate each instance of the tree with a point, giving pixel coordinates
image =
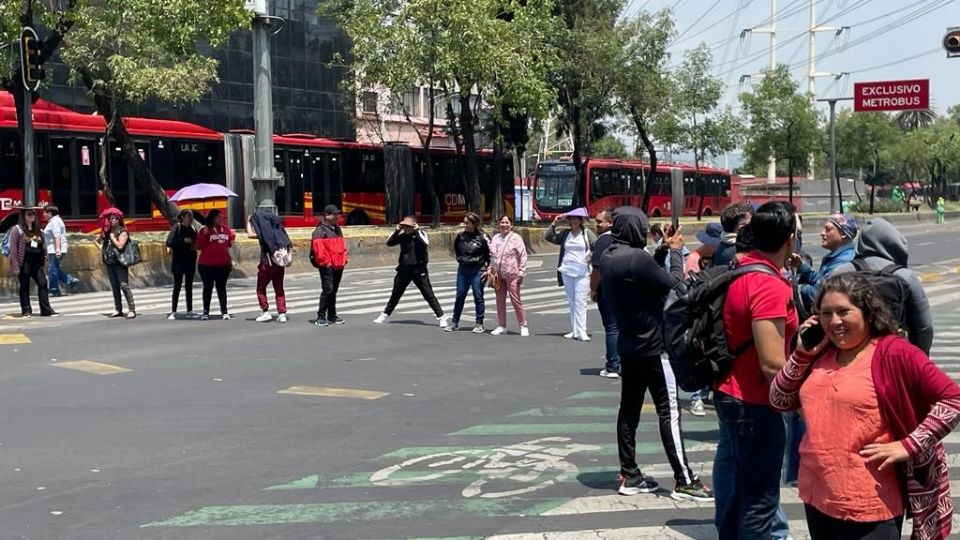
(126, 52)
(861, 139)
(781, 121)
(610, 147)
(913, 120)
(700, 127)
(642, 90)
(591, 49)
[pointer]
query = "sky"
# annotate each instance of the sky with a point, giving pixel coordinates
(882, 40)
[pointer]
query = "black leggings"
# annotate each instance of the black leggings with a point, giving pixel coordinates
(824, 527)
(214, 275)
(183, 277)
(32, 269)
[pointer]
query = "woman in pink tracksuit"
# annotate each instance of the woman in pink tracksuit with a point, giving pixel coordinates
(508, 255)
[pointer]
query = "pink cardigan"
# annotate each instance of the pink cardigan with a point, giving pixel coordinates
(18, 248)
(508, 255)
(921, 404)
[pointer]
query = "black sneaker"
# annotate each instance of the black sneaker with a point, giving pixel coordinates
(321, 323)
(694, 491)
(636, 486)
(337, 320)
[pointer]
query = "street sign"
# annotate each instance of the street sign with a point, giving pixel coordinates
(891, 95)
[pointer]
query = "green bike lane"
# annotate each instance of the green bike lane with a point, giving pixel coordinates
(487, 478)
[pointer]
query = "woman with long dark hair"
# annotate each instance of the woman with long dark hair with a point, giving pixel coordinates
(28, 260)
(114, 241)
(182, 242)
(876, 411)
(472, 249)
(215, 263)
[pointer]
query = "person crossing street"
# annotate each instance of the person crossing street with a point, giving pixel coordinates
(328, 254)
(412, 267)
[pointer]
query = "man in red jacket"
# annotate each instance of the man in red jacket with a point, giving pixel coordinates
(328, 253)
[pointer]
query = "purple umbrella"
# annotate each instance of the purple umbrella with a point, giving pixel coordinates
(202, 191)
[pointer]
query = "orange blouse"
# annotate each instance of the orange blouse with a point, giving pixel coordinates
(842, 414)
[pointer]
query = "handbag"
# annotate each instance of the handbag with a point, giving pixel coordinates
(282, 257)
(130, 255)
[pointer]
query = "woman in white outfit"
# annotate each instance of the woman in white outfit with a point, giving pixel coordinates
(573, 269)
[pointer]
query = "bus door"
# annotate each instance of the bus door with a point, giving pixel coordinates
(327, 180)
(289, 162)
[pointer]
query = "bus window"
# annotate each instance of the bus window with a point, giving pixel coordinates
(88, 180)
(363, 172)
(295, 180)
(61, 177)
(141, 197)
(42, 170)
(195, 162)
(280, 164)
(11, 166)
(606, 183)
(119, 179)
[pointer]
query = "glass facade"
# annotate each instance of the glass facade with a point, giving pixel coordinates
(307, 97)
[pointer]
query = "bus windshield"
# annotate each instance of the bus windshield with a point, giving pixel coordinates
(555, 191)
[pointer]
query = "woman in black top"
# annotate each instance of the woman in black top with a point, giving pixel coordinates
(28, 259)
(412, 267)
(115, 240)
(472, 249)
(182, 241)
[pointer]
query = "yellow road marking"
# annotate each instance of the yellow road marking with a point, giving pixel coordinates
(931, 277)
(323, 391)
(97, 368)
(14, 339)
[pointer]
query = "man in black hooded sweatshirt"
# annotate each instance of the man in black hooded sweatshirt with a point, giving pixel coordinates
(638, 286)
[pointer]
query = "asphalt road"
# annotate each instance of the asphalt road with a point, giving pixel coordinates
(410, 432)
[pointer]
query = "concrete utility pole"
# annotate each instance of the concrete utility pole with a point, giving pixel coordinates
(265, 176)
(834, 179)
(772, 30)
(812, 72)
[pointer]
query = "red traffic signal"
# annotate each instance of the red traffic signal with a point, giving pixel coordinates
(31, 58)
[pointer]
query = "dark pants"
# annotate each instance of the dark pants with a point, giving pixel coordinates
(796, 427)
(611, 332)
(329, 285)
(120, 282)
(183, 277)
(214, 276)
(638, 374)
(420, 278)
(468, 278)
(746, 470)
(33, 269)
(269, 273)
(824, 527)
(57, 274)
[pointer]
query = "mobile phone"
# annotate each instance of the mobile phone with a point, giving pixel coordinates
(812, 336)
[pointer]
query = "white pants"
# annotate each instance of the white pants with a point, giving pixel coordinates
(578, 292)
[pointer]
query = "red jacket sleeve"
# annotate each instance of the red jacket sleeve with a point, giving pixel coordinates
(929, 387)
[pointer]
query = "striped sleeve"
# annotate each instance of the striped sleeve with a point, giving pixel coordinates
(785, 388)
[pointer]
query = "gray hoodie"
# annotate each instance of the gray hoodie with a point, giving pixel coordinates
(880, 245)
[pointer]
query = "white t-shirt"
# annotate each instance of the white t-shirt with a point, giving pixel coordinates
(575, 263)
(55, 228)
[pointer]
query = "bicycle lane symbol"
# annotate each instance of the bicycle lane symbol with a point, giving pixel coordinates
(534, 465)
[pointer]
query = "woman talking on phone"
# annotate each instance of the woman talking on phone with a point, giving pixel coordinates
(876, 409)
(573, 268)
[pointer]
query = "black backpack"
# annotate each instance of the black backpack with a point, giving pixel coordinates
(693, 332)
(894, 289)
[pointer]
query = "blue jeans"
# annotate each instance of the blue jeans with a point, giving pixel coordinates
(796, 427)
(57, 275)
(611, 332)
(468, 278)
(746, 472)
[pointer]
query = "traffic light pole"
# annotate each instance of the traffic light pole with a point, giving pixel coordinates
(29, 156)
(265, 177)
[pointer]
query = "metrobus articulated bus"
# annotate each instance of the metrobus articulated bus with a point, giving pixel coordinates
(317, 172)
(613, 183)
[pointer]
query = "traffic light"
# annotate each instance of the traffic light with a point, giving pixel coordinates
(951, 42)
(31, 58)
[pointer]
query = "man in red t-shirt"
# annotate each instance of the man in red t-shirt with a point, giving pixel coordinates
(759, 309)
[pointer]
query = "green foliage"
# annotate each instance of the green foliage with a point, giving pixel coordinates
(610, 147)
(782, 122)
(864, 138)
(913, 120)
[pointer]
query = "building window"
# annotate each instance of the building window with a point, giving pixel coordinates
(369, 102)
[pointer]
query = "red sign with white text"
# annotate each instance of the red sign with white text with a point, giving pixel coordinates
(891, 95)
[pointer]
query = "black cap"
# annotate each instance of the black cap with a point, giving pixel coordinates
(331, 209)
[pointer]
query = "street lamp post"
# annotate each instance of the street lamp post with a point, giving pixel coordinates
(265, 176)
(834, 177)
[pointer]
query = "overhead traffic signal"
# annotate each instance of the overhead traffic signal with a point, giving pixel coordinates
(951, 42)
(31, 58)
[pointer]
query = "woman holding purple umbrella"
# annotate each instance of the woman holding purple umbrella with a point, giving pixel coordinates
(573, 270)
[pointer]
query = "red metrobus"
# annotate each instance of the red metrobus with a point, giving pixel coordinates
(316, 172)
(613, 183)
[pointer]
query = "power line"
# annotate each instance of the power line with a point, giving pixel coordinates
(695, 23)
(895, 62)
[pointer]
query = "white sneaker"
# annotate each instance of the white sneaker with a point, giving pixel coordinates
(568, 335)
(498, 331)
(442, 320)
(381, 319)
(524, 331)
(225, 316)
(609, 374)
(282, 318)
(172, 316)
(696, 408)
(265, 317)
(584, 337)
